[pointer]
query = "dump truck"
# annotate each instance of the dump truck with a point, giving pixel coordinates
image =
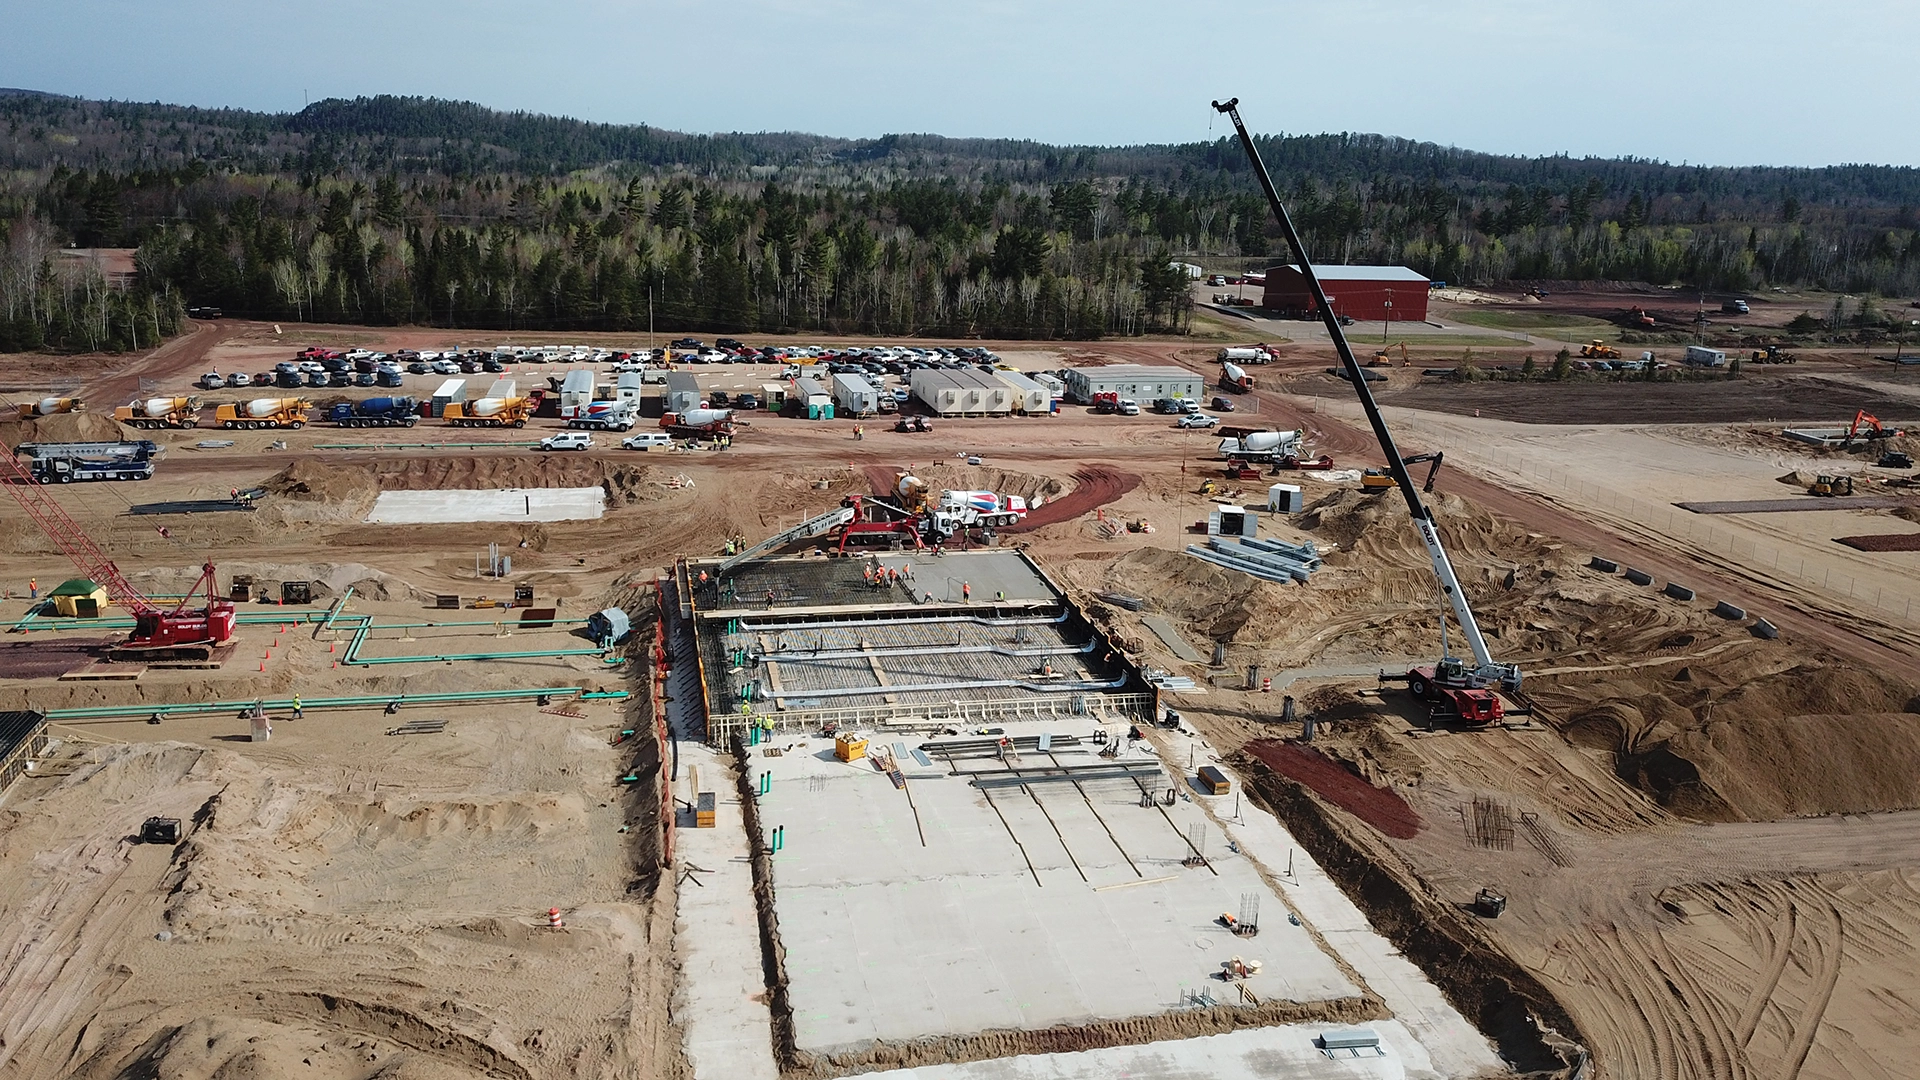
(64, 463)
(606, 416)
(489, 412)
(1235, 378)
(1262, 445)
(699, 422)
(376, 412)
(264, 413)
(48, 406)
(160, 412)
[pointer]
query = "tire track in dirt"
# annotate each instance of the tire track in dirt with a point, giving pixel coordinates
(1830, 945)
(1769, 981)
(1094, 486)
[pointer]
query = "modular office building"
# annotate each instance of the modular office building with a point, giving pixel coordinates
(1133, 382)
(961, 392)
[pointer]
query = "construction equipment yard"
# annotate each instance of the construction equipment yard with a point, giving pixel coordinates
(899, 791)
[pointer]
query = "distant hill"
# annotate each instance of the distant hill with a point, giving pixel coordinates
(416, 134)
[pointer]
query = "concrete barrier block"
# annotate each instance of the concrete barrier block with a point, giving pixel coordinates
(1678, 591)
(1763, 629)
(1639, 577)
(1605, 566)
(1729, 611)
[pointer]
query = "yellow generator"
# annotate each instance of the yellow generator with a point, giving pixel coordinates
(848, 747)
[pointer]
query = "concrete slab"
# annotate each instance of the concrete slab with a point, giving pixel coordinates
(508, 504)
(1171, 638)
(986, 576)
(1454, 1046)
(720, 1001)
(948, 909)
(1272, 1052)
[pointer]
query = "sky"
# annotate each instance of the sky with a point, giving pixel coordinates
(1761, 82)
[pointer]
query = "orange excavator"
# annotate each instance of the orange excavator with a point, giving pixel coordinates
(1384, 358)
(1871, 424)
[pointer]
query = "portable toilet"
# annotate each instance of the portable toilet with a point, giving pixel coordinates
(1284, 499)
(1232, 521)
(608, 627)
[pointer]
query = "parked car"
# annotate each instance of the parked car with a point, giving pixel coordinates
(734, 344)
(1223, 404)
(239, 378)
(688, 343)
(1129, 407)
(648, 440)
(212, 380)
(747, 402)
(1196, 420)
(365, 378)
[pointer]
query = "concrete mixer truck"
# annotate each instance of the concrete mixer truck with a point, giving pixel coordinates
(1235, 378)
(1262, 445)
(160, 412)
(264, 413)
(699, 422)
(48, 406)
(489, 412)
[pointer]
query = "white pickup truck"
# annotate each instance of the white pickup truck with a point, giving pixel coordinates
(567, 440)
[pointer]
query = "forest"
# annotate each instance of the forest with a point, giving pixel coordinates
(410, 210)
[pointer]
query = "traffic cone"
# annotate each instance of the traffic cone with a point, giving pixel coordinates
(263, 665)
(1266, 685)
(553, 920)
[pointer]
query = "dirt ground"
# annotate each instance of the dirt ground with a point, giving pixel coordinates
(1725, 888)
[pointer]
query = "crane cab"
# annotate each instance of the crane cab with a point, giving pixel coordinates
(1453, 693)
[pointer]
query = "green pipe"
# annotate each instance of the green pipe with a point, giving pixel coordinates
(333, 613)
(422, 658)
(426, 446)
(453, 697)
(46, 626)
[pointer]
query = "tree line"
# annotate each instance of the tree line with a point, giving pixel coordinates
(406, 210)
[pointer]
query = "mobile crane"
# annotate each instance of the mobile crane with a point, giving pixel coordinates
(182, 632)
(1453, 686)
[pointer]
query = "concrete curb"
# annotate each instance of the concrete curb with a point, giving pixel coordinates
(1729, 611)
(1678, 591)
(1639, 577)
(1605, 566)
(1763, 629)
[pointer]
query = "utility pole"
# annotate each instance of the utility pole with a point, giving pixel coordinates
(1386, 325)
(650, 318)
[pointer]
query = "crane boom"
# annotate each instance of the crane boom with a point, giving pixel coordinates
(1486, 669)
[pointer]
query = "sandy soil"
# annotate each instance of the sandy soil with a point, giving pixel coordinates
(347, 894)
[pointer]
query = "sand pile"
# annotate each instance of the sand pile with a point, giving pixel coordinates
(66, 427)
(312, 492)
(1730, 740)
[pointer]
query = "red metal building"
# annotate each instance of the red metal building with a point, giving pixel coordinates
(1366, 293)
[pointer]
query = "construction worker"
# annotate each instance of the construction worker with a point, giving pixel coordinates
(966, 592)
(769, 599)
(33, 588)
(233, 494)
(298, 712)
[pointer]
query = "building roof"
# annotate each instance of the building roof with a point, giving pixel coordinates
(1358, 273)
(77, 587)
(1133, 371)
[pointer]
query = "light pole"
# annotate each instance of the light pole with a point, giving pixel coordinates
(1386, 324)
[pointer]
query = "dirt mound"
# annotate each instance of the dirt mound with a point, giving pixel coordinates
(312, 492)
(624, 484)
(66, 427)
(1730, 740)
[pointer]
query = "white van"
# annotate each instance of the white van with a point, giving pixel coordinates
(648, 440)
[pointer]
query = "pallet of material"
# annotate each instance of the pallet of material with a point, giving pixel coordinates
(419, 727)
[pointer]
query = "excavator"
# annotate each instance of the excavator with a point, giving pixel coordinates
(1458, 689)
(1875, 430)
(1383, 479)
(1384, 358)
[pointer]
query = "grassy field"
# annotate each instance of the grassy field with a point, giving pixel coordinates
(1371, 344)
(1528, 320)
